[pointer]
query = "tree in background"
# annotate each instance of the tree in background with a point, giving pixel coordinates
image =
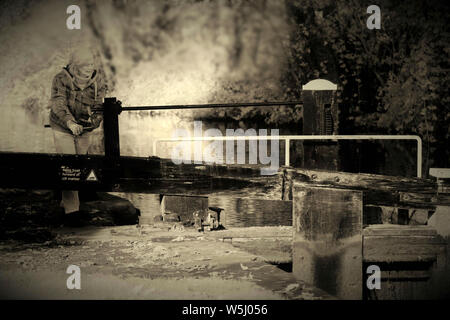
(393, 80)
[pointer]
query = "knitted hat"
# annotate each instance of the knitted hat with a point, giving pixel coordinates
(80, 58)
(82, 55)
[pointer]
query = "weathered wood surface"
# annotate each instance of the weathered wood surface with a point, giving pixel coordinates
(400, 248)
(395, 243)
(320, 112)
(130, 174)
(398, 230)
(150, 175)
(327, 244)
(377, 214)
(424, 198)
(412, 260)
(405, 275)
(377, 189)
(359, 180)
(411, 254)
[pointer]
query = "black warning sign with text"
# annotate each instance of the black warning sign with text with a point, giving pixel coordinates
(70, 174)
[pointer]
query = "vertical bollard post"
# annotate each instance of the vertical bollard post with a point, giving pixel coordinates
(111, 111)
(320, 117)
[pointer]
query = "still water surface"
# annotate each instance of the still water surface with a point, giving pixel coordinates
(239, 212)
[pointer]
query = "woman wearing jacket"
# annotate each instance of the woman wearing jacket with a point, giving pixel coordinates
(76, 90)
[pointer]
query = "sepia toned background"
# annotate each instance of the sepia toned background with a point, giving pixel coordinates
(393, 80)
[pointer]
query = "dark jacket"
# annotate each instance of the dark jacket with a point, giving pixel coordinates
(69, 102)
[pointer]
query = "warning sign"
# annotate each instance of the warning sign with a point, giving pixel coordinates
(70, 174)
(91, 176)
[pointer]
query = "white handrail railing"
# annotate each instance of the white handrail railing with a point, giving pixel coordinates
(288, 138)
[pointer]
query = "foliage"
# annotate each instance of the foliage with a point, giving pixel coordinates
(392, 80)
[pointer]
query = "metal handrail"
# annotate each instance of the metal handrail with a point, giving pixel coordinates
(288, 138)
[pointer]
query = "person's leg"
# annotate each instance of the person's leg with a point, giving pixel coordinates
(91, 142)
(65, 143)
(96, 144)
(82, 143)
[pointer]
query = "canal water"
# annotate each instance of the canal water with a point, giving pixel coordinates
(238, 212)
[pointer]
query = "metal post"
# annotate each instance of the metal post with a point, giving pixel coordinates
(286, 153)
(419, 157)
(111, 112)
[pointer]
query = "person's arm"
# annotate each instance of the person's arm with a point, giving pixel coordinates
(97, 116)
(59, 102)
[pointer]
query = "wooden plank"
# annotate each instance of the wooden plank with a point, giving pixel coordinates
(393, 215)
(405, 274)
(130, 174)
(361, 180)
(430, 199)
(383, 248)
(327, 246)
(405, 281)
(398, 230)
(320, 114)
(316, 106)
(378, 190)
